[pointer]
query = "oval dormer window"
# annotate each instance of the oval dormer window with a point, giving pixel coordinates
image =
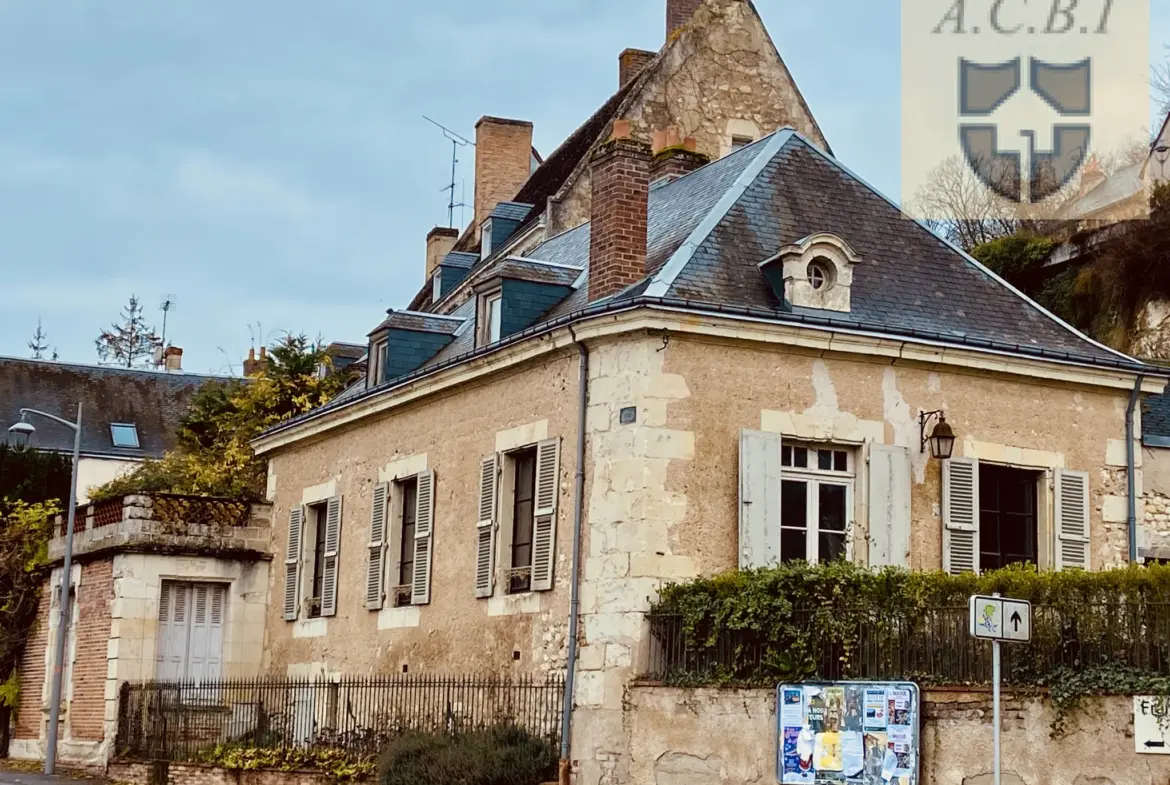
(820, 274)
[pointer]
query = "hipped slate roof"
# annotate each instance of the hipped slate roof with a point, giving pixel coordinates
(422, 322)
(712, 228)
(154, 401)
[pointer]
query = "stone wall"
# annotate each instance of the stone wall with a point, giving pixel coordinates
(1154, 535)
(140, 773)
(728, 737)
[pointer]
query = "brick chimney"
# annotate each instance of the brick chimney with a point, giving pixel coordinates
(503, 162)
(674, 156)
(255, 365)
(173, 358)
(631, 62)
(440, 242)
(620, 191)
(678, 13)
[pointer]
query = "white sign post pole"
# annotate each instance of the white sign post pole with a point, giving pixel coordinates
(995, 675)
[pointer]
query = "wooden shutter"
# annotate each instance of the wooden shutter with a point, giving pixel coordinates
(1072, 520)
(889, 506)
(485, 530)
(376, 564)
(424, 527)
(960, 480)
(200, 634)
(759, 499)
(544, 525)
(292, 564)
(329, 563)
(171, 654)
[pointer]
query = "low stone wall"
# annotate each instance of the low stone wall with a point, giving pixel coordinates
(140, 773)
(708, 736)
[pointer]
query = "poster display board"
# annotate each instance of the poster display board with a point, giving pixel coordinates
(860, 733)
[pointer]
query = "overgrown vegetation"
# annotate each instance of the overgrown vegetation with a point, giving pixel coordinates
(33, 476)
(498, 756)
(214, 457)
(1094, 632)
(25, 530)
(1105, 296)
(337, 764)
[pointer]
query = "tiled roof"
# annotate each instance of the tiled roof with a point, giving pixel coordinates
(423, 322)
(153, 401)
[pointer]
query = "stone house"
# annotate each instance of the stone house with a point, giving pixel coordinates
(721, 369)
(128, 415)
(161, 587)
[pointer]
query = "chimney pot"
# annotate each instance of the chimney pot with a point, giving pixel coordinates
(173, 358)
(503, 163)
(620, 184)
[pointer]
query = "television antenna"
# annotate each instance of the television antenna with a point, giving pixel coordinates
(456, 141)
(167, 304)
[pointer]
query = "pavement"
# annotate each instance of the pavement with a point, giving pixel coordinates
(11, 775)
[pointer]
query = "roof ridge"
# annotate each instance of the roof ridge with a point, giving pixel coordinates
(771, 145)
(966, 256)
(114, 368)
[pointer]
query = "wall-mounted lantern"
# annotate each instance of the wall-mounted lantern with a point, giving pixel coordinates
(942, 437)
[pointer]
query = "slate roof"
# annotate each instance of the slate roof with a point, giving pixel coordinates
(526, 270)
(154, 401)
(511, 211)
(422, 322)
(713, 227)
(461, 259)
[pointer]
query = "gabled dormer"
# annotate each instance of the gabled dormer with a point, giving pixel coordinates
(518, 293)
(814, 272)
(500, 225)
(405, 341)
(450, 272)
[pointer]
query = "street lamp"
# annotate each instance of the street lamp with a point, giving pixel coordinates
(941, 439)
(20, 434)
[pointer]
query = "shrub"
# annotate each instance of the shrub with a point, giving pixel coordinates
(499, 756)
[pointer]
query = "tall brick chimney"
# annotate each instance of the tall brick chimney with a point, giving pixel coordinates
(503, 162)
(631, 62)
(440, 242)
(674, 156)
(678, 13)
(254, 365)
(620, 193)
(173, 358)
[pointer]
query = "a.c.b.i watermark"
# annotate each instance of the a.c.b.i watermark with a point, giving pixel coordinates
(1019, 96)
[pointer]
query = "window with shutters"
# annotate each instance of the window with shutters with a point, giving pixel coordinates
(407, 516)
(529, 490)
(1008, 530)
(816, 502)
(191, 620)
(317, 520)
(523, 506)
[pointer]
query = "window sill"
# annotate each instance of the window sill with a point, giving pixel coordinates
(402, 617)
(515, 604)
(311, 628)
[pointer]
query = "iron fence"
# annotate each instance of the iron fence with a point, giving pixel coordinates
(182, 721)
(932, 646)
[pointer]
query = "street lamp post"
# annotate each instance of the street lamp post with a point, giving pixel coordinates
(20, 433)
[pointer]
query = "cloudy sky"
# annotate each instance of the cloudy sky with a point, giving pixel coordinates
(267, 164)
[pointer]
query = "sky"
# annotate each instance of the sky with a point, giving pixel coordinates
(267, 166)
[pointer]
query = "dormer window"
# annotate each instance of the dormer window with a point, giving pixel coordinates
(124, 435)
(378, 357)
(437, 286)
(815, 272)
(493, 311)
(485, 239)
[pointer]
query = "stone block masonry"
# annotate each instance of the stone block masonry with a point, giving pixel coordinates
(142, 773)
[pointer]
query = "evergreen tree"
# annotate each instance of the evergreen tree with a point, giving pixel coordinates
(130, 343)
(39, 343)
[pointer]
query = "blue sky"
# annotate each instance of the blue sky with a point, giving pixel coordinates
(267, 162)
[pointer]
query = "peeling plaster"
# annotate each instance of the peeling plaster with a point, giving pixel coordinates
(904, 423)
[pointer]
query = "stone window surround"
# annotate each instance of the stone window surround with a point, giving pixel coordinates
(401, 468)
(483, 328)
(509, 441)
(813, 477)
(305, 627)
(830, 251)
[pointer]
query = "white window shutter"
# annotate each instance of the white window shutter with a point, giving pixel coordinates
(292, 564)
(960, 481)
(200, 638)
(485, 531)
(216, 621)
(376, 564)
(889, 506)
(759, 499)
(424, 527)
(544, 524)
(329, 564)
(1072, 520)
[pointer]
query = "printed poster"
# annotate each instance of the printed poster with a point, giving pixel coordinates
(875, 709)
(899, 737)
(795, 771)
(792, 708)
(852, 753)
(853, 708)
(815, 708)
(834, 709)
(828, 752)
(899, 707)
(875, 754)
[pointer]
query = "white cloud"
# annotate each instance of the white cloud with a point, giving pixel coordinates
(224, 187)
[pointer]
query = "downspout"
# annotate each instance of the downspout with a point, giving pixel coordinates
(575, 584)
(1130, 460)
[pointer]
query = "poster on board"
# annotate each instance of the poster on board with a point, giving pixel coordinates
(847, 733)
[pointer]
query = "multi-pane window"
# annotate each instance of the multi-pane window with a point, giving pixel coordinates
(1007, 516)
(408, 493)
(523, 516)
(816, 500)
(318, 514)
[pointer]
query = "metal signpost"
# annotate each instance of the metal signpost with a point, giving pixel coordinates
(999, 619)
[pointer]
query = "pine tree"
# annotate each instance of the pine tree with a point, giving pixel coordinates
(39, 342)
(130, 343)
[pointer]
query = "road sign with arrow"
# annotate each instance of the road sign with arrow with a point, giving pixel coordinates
(1001, 619)
(1151, 724)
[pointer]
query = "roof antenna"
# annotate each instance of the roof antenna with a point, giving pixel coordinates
(457, 141)
(167, 304)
